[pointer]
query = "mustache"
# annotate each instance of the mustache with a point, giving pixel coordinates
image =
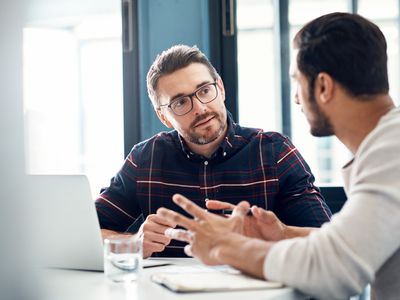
(203, 117)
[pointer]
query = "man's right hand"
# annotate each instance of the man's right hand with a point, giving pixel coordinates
(152, 232)
(263, 224)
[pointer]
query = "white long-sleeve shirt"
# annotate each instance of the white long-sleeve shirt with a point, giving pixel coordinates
(361, 244)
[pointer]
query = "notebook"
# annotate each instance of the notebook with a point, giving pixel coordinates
(208, 279)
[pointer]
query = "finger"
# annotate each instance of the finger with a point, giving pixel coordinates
(188, 250)
(256, 212)
(259, 213)
(150, 226)
(215, 204)
(160, 220)
(262, 215)
(193, 209)
(156, 238)
(241, 209)
(160, 228)
(177, 218)
(179, 234)
(150, 247)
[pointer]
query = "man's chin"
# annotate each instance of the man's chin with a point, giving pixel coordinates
(209, 135)
(204, 140)
(321, 132)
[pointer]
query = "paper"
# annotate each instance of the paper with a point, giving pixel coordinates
(208, 279)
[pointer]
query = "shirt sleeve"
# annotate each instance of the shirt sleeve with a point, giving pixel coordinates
(300, 201)
(117, 206)
(338, 260)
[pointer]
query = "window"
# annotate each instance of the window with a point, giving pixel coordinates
(385, 14)
(256, 75)
(73, 97)
(259, 67)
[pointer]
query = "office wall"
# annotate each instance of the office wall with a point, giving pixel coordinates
(162, 24)
(14, 233)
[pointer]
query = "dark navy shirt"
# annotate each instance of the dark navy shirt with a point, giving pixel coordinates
(263, 168)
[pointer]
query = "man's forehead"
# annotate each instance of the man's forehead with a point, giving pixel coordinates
(184, 81)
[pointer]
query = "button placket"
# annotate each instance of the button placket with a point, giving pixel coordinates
(205, 178)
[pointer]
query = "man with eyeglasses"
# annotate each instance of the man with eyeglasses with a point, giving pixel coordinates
(206, 156)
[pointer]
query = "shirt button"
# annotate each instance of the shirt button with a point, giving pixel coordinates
(206, 199)
(206, 163)
(224, 154)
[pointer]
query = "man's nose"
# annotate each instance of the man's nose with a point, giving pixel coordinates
(198, 106)
(296, 96)
(296, 99)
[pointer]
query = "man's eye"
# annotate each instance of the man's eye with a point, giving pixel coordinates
(204, 91)
(179, 103)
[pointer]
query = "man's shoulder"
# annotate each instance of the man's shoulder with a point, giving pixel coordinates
(164, 139)
(251, 133)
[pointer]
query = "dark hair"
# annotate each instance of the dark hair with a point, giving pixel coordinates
(171, 60)
(349, 48)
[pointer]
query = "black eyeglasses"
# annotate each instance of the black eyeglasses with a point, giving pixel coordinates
(183, 105)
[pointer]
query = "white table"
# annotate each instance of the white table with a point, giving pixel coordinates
(76, 285)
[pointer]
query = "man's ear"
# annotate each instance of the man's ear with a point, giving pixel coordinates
(220, 86)
(163, 118)
(324, 87)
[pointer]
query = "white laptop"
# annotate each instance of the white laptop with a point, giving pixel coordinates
(67, 225)
(67, 229)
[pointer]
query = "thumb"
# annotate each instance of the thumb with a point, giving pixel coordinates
(260, 214)
(241, 209)
(264, 216)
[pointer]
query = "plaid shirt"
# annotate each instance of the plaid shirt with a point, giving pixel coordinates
(263, 168)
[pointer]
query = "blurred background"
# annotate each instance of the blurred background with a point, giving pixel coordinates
(74, 99)
(84, 93)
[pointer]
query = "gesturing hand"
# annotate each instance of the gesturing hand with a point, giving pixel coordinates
(206, 230)
(263, 224)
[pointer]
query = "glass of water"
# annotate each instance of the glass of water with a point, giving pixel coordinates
(123, 258)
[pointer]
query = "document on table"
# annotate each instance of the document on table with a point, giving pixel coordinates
(208, 279)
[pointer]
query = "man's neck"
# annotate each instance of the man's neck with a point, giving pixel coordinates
(356, 122)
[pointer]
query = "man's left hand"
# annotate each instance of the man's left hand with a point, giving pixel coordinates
(206, 230)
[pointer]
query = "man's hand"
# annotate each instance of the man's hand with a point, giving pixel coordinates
(263, 224)
(206, 230)
(152, 232)
(215, 239)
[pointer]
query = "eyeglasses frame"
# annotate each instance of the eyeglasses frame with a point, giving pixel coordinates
(191, 98)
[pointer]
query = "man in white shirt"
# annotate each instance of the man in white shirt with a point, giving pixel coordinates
(342, 86)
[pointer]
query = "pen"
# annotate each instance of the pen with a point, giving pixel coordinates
(227, 211)
(157, 265)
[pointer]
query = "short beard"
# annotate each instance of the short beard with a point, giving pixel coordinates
(202, 139)
(321, 126)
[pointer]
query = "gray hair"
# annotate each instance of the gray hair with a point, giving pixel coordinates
(171, 60)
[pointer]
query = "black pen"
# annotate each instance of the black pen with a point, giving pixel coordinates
(227, 211)
(157, 265)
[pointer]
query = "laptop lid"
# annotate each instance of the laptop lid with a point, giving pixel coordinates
(67, 223)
